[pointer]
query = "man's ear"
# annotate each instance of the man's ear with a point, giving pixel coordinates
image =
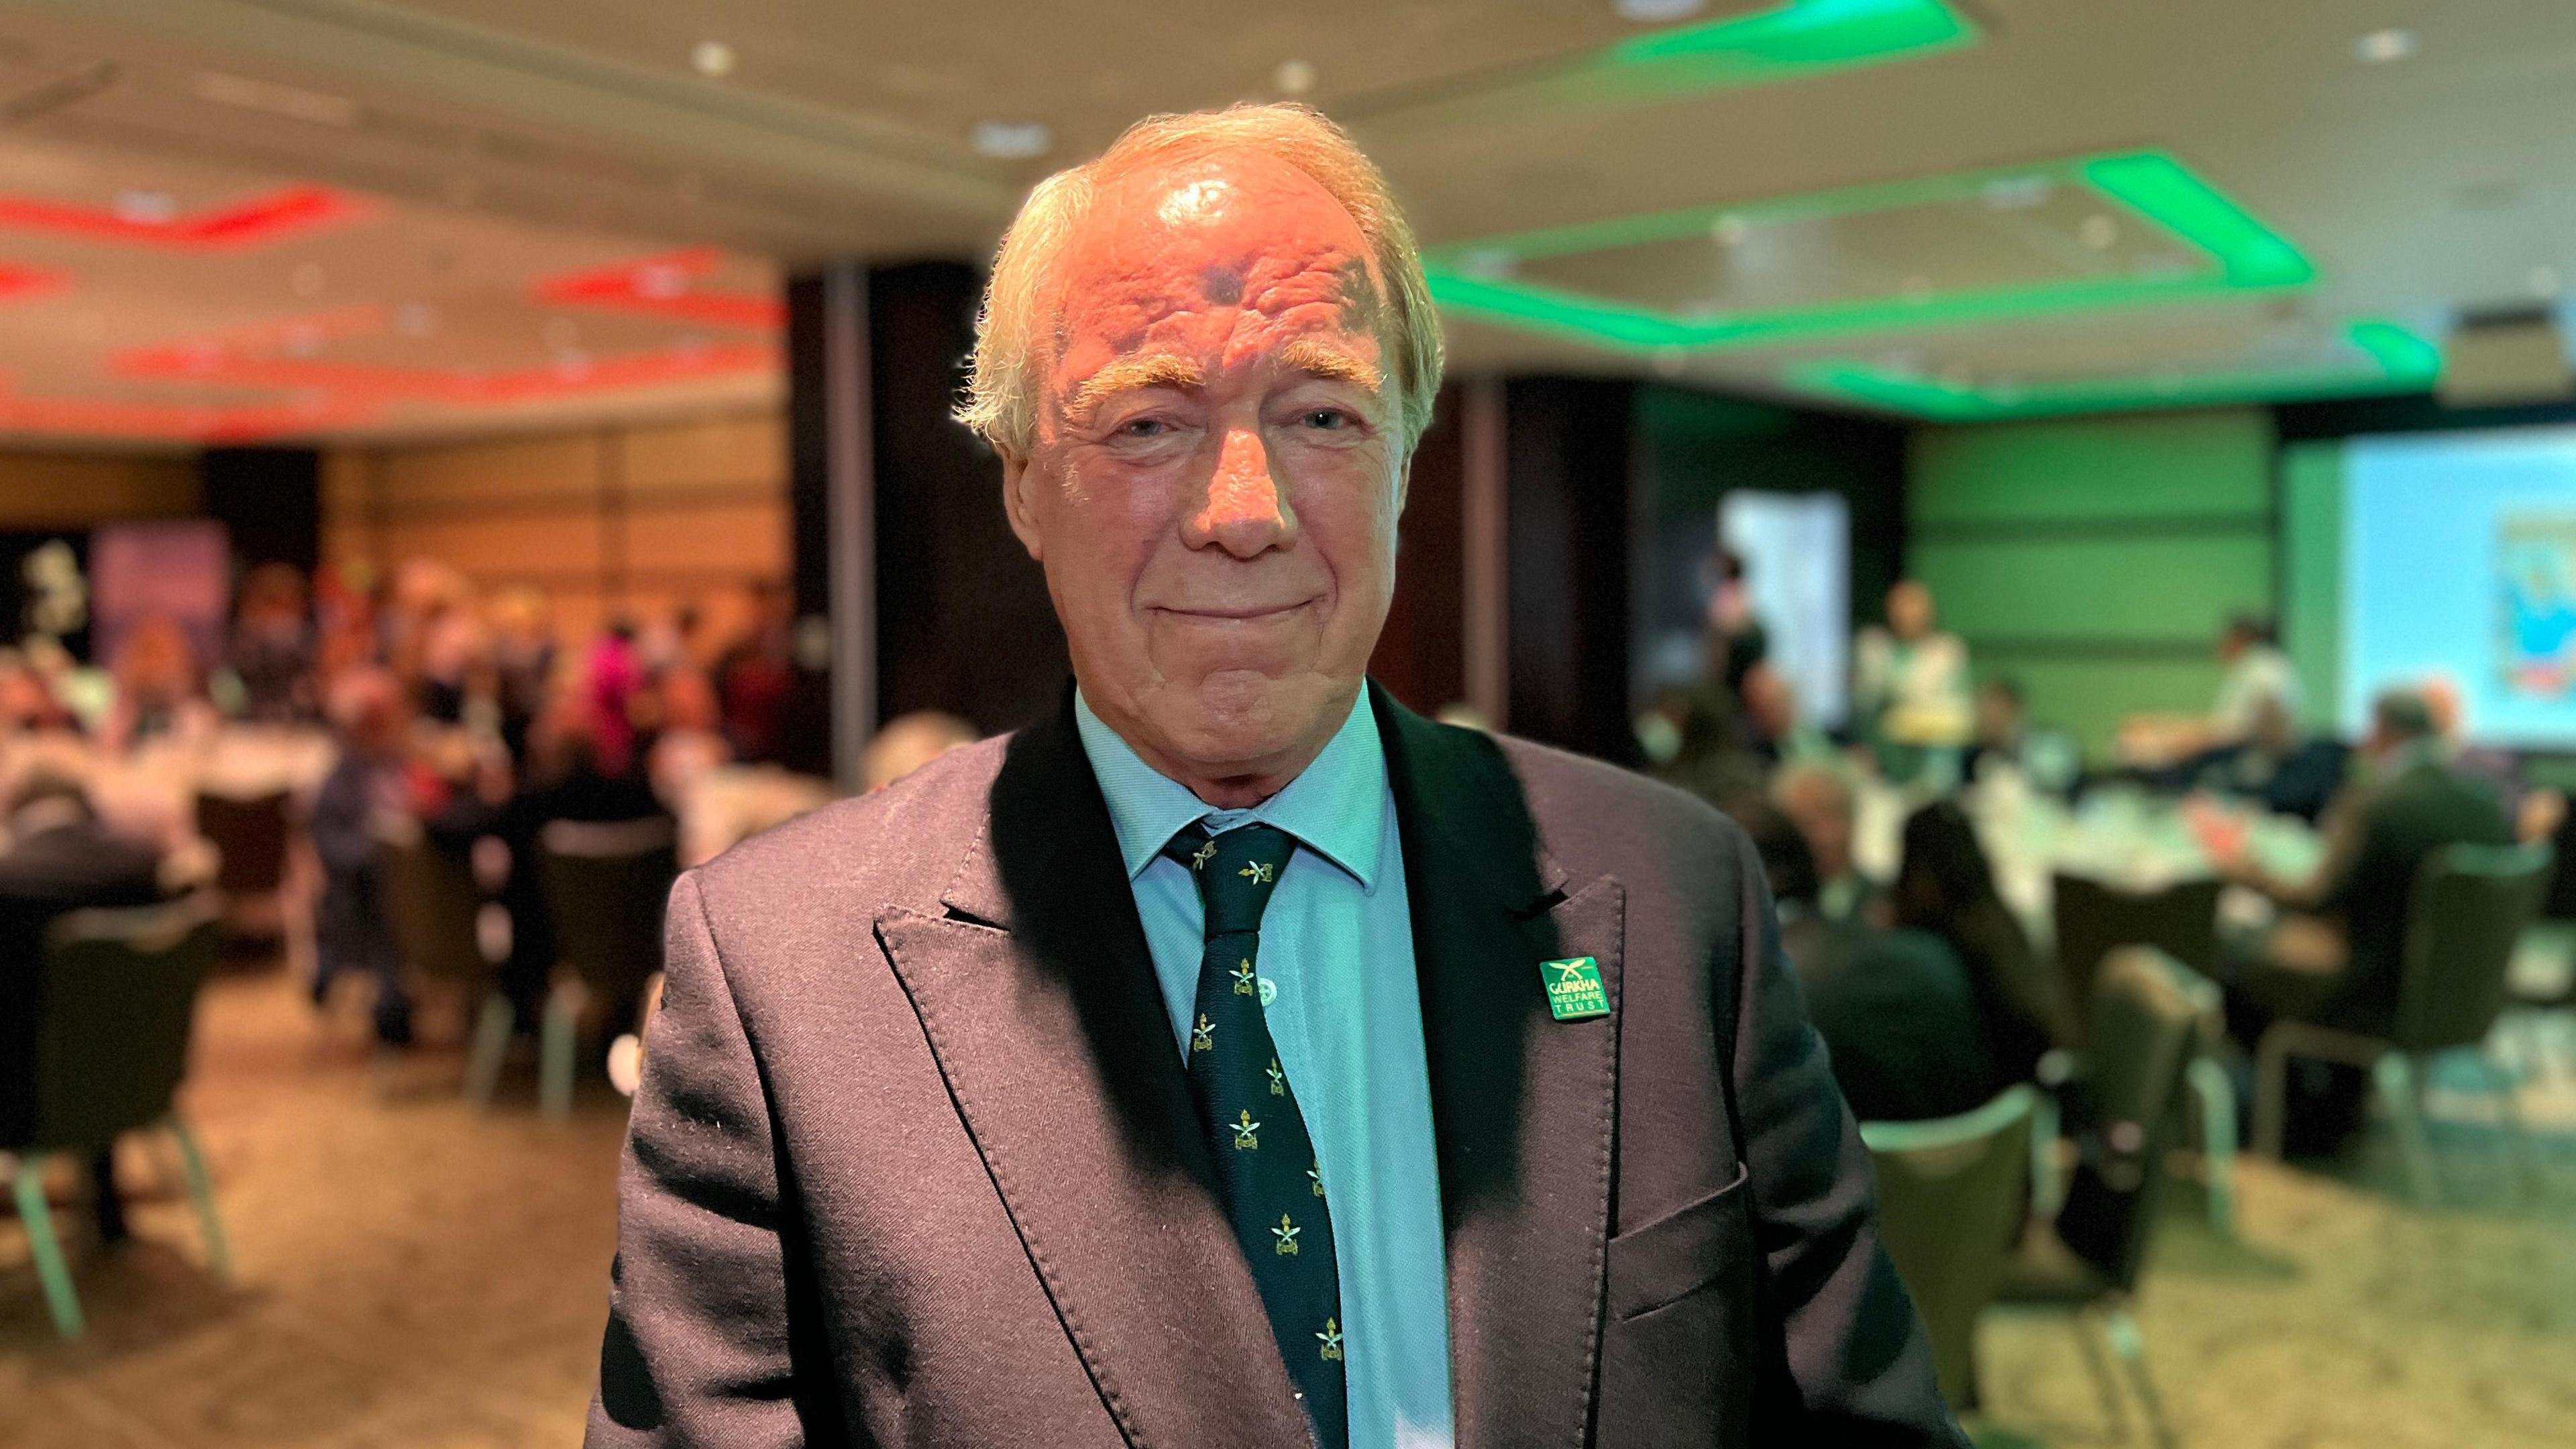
(1019, 501)
(1403, 484)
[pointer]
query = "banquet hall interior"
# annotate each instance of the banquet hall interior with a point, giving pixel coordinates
(2088, 488)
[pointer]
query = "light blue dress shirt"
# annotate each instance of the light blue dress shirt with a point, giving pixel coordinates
(1337, 946)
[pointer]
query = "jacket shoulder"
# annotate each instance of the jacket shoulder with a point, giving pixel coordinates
(898, 846)
(1590, 813)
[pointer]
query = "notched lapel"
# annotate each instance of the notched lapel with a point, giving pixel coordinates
(1055, 1045)
(1524, 1105)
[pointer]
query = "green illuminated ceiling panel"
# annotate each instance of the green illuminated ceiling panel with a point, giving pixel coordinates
(2094, 231)
(2375, 356)
(1779, 42)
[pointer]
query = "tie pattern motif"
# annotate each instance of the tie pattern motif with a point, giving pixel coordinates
(1267, 1170)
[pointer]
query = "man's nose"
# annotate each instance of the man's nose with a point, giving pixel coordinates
(1244, 513)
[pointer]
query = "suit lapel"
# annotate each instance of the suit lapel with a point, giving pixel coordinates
(1040, 1002)
(1523, 1104)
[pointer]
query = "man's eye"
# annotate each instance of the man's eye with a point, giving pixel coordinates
(1328, 418)
(1143, 428)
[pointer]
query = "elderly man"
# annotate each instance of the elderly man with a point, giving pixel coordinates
(1237, 1058)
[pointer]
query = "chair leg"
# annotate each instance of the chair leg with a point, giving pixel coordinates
(2121, 1332)
(2271, 1091)
(2217, 1142)
(563, 1023)
(2103, 1381)
(2047, 1179)
(2526, 1161)
(201, 1193)
(51, 1270)
(491, 1045)
(2394, 1075)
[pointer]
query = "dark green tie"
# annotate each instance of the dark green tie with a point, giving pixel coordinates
(1267, 1170)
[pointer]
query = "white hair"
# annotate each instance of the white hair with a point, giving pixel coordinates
(1013, 329)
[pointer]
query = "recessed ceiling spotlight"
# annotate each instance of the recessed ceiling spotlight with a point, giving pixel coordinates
(147, 206)
(1655, 12)
(1727, 230)
(2099, 232)
(2380, 47)
(1012, 140)
(2018, 193)
(661, 281)
(711, 58)
(1489, 263)
(1294, 77)
(2545, 281)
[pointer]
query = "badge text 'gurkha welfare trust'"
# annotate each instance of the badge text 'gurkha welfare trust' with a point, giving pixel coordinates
(1574, 988)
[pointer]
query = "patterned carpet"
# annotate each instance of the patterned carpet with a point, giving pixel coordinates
(411, 1273)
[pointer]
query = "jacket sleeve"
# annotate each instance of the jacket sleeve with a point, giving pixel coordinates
(1859, 1364)
(697, 1350)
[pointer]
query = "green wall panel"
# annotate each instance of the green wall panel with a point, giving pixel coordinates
(2312, 573)
(2146, 589)
(2166, 466)
(2092, 696)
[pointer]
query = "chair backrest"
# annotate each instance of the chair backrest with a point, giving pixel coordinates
(430, 903)
(2094, 919)
(2470, 904)
(2145, 1027)
(251, 835)
(606, 885)
(120, 995)
(1950, 1193)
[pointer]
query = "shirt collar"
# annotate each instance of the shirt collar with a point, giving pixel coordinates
(1336, 807)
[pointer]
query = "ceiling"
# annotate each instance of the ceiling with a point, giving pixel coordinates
(520, 212)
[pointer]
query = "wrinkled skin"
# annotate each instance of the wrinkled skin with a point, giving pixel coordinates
(1218, 468)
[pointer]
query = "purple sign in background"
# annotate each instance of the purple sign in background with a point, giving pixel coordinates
(179, 571)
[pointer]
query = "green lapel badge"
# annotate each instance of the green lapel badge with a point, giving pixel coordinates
(1574, 988)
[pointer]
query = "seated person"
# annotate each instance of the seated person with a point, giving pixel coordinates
(1895, 1009)
(2256, 674)
(2050, 759)
(1946, 887)
(58, 859)
(2334, 956)
(371, 720)
(1818, 801)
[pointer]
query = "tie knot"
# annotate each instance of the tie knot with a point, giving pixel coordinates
(1235, 871)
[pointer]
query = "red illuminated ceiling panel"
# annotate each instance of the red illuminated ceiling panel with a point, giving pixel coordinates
(280, 355)
(262, 218)
(664, 286)
(17, 281)
(178, 422)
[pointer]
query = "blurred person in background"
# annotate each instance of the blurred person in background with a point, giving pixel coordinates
(1946, 886)
(1773, 728)
(58, 858)
(370, 721)
(909, 741)
(2335, 954)
(1910, 683)
(1898, 1015)
(1704, 744)
(1222, 330)
(611, 676)
(2499, 770)
(160, 691)
(1736, 640)
(753, 676)
(1816, 796)
(2257, 673)
(688, 733)
(523, 660)
(272, 648)
(27, 703)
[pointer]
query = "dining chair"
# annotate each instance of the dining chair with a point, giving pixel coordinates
(2469, 906)
(1950, 1198)
(605, 885)
(111, 1047)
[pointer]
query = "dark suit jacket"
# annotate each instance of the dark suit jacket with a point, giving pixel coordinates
(1899, 1018)
(914, 1161)
(70, 867)
(2397, 825)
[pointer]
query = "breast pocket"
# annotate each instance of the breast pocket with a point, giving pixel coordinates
(1676, 1344)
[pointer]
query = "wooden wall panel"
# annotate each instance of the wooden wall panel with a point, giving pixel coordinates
(57, 490)
(635, 521)
(717, 455)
